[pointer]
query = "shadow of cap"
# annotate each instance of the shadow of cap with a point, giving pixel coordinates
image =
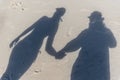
(61, 10)
(96, 15)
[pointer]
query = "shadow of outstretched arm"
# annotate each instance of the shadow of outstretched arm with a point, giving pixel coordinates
(76, 43)
(73, 45)
(22, 34)
(70, 47)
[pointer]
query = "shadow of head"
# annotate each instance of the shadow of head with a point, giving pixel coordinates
(60, 11)
(96, 16)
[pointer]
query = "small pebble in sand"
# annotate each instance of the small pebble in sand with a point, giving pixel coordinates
(37, 71)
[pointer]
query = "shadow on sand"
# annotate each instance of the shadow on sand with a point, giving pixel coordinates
(25, 51)
(93, 60)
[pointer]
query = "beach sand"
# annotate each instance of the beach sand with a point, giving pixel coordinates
(17, 15)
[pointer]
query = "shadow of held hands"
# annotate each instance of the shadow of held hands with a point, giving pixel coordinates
(60, 55)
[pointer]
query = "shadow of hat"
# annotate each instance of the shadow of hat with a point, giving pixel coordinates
(96, 15)
(61, 10)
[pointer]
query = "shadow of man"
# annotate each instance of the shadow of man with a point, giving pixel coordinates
(26, 50)
(93, 60)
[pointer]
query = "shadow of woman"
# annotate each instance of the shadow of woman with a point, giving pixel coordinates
(93, 60)
(25, 51)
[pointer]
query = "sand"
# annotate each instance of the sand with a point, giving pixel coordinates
(17, 15)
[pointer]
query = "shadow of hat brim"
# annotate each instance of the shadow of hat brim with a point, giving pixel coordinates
(96, 17)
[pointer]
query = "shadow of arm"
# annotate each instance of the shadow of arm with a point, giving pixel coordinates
(76, 43)
(22, 34)
(49, 48)
(26, 31)
(72, 45)
(112, 41)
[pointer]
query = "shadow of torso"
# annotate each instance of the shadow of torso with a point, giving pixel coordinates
(44, 27)
(26, 51)
(93, 60)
